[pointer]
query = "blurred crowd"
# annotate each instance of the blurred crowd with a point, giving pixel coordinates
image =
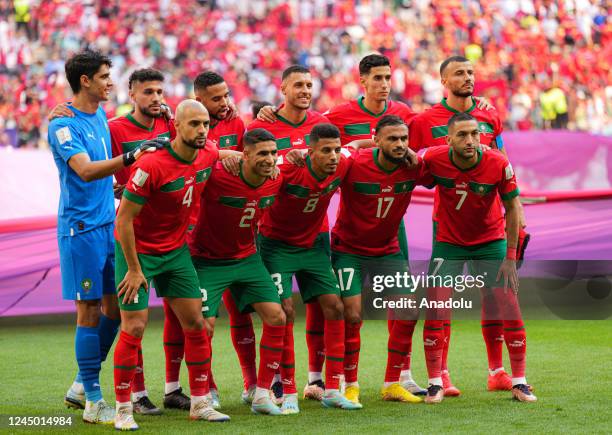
(543, 63)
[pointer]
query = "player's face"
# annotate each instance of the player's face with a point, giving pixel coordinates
(458, 78)
(325, 155)
(147, 97)
(377, 83)
(393, 142)
(193, 127)
(100, 85)
(216, 99)
(261, 158)
(464, 138)
(297, 90)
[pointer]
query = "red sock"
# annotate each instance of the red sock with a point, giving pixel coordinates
(315, 341)
(211, 378)
(398, 347)
(334, 353)
(125, 360)
(493, 334)
(138, 383)
(447, 337)
(197, 359)
(174, 344)
(516, 342)
(270, 353)
(433, 341)
(352, 346)
(243, 339)
(287, 367)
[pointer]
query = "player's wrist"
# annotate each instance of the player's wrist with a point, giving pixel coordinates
(511, 253)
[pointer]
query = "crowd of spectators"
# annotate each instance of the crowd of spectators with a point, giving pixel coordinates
(543, 63)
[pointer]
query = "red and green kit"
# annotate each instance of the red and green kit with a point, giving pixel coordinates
(227, 134)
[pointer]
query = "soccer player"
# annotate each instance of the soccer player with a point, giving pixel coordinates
(224, 253)
(291, 244)
(375, 196)
(81, 147)
(429, 129)
(470, 227)
(152, 223)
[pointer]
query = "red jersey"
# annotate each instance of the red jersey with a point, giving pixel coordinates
(468, 201)
(127, 134)
(229, 213)
(301, 207)
(372, 204)
(356, 122)
(429, 128)
(168, 187)
(289, 135)
(227, 134)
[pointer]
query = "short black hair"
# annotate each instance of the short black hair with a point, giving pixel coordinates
(145, 75)
(87, 63)
(324, 130)
(253, 137)
(458, 117)
(295, 69)
(460, 59)
(206, 79)
(387, 121)
(256, 106)
(372, 61)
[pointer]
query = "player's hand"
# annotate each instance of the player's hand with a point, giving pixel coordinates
(267, 114)
(508, 272)
(484, 147)
(275, 173)
(118, 190)
(61, 111)
(233, 111)
(232, 165)
(483, 104)
(166, 111)
(296, 157)
(412, 160)
(145, 147)
(131, 283)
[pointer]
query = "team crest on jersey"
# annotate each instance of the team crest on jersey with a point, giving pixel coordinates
(86, 284)
(63, 135)
(509, 172)
(140, 177)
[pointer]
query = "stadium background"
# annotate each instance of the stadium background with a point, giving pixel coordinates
(535, 60)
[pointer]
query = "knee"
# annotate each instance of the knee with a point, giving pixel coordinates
(110, 307)
(88, 313)
(352, 316)
(276, 318)
(134, 327)
(333, 310)
(289, 312)
(196, 323)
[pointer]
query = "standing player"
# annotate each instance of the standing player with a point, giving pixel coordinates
(81, 147)
(470, 227)
(152, 226)
(375, 196)
(292, 244)
(429, 129)
(224, 253)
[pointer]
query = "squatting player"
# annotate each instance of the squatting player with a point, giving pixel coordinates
(224, 253)
(152, 223)
(470, 228)
(81, 147)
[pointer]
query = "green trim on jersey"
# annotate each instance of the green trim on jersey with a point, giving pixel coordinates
(179, 158)
(131, 118)
(450, 156)
(203, 174)
(447, 107)
(228, 140)
(233, 201)
(133, 144)
(134, 198)
(439, 131)
(357, 129)
(266, 201)
(286, 121)
(510, 195)
(375, 154)
(297, 190)
(366, 188)
(332, 186)
(173, 186)
(443, 181)
(312, 172)
(404, 186)
(252, 186)
(283, 143)
(363, 107)
(481, 188)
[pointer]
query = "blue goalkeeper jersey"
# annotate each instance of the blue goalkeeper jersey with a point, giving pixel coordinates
(83, 206)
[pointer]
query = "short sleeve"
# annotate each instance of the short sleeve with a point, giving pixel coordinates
(142, 182)
(65, 140)
(508, 187)
(425, 178)
(415, 134)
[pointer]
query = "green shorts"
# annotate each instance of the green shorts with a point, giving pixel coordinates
(173, 272)
(352, 271)
(311, 266)
(247, 278)
(483, 260)
(403, 240)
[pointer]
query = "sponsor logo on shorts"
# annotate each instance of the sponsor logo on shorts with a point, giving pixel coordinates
(86, 284)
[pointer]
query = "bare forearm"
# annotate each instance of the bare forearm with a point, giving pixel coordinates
(91, 171)
(512, 224)
(361, 143)
(224, 154)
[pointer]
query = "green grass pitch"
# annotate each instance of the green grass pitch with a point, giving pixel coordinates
(568, 365)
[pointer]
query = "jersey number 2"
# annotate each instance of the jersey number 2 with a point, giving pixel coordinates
(249, 213)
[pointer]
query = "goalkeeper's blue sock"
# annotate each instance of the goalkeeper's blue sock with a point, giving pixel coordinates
(107, 331)
(87, 349)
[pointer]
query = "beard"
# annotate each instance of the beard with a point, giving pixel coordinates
(147, 112)
(463, 94)
(393, 159)
(194, 144)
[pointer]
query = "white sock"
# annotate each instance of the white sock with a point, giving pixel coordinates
(496, 371)
(137, 395)
(171, 387)
(435, 381)
(516, 381)
(406, 375)
(123, 405)
(331, 392)
(314, 376)
(261, 393)
(77, 387)
(197, 399)
(352, 384)
(388, 384)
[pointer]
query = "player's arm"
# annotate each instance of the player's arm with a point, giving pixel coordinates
(267, 114)
(507, 270)
(134, 278)
(361, 143)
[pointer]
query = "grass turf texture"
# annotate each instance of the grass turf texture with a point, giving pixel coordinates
(568, 365)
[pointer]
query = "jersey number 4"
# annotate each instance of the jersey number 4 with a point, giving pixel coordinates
(188, 198)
